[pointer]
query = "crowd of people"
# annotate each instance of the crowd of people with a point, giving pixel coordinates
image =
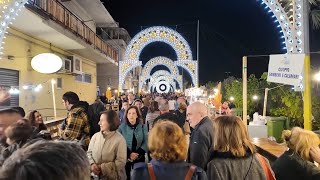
(156, 136)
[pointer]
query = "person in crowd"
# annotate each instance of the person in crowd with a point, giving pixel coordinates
(7, 117)
(165, 114)
(201, 140)
(103, 98)
(231, 104)
(146, 102)
(225, 109)
(94, 111)
(234, 155)
(125, 106)
(135, 134)
(131, 98)
(20, 111)
(298, 161)
(35, 119)
(47, 160)
(107, 150)
(172, 103)
(142, 108)
(181, 112)
(17, 135)
(77, 125)
(180, 99)
(169, 150)
(153, 113)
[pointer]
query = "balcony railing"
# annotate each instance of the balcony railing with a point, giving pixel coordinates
(57, 12)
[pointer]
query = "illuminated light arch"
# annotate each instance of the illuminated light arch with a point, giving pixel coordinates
(150, 35)
(293, 32)
(167, 73)
(146, 71)
(157, 76)
(158, 34)
(125, 68)
(168, 87)
(167, 80)
(10, 11)
(192, 68)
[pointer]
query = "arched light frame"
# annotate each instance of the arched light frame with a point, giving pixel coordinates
(146, 71)
(292, 32)
(167, 90)
(162, 80)
(162, 73)
(167, 73)
(10, 12)
(125, 68)
(158, 34)
(150, 35)
(157, 80)
(192, 68)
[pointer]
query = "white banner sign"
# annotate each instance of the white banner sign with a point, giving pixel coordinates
(286, 69)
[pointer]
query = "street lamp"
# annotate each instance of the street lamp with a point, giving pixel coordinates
(231, 98)
(255, 97)
(317, 76)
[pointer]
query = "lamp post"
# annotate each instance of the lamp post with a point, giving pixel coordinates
(54, 99)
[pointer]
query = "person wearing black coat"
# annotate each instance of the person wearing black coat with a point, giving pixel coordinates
(201, 140)
(94, 111)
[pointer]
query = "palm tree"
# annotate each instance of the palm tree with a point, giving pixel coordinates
(314, 11)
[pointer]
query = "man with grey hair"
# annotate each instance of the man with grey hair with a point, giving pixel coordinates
(165, 114)
(201, 140)
(47, 160)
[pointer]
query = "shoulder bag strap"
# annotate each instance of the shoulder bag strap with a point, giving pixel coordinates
(151, 172)
(266, 168)
(190, 172)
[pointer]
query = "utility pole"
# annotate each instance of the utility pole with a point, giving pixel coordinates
(198, 45)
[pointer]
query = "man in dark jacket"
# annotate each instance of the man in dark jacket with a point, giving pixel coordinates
(77, 124)
(201, 140)
(165, 114)
(94, 116)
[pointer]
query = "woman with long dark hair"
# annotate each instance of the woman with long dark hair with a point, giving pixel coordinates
(135, 134)
(36, 120)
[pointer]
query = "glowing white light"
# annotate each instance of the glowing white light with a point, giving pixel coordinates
(25, 87)
(38, 88)
(14, 91)
(317, 76)
(46, 63)
(299, 33)
(231, 98)
(216, 90)
(255, 97)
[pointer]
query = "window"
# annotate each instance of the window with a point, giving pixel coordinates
(9, 79)
(85, 77)
(59, 83)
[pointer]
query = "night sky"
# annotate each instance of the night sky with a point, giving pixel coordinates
(228, 31)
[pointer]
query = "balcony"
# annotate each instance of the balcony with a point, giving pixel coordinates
(55, 11)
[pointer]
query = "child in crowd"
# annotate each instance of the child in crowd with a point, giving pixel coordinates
(17, 135)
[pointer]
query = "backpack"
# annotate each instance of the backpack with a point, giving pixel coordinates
(188, 175)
